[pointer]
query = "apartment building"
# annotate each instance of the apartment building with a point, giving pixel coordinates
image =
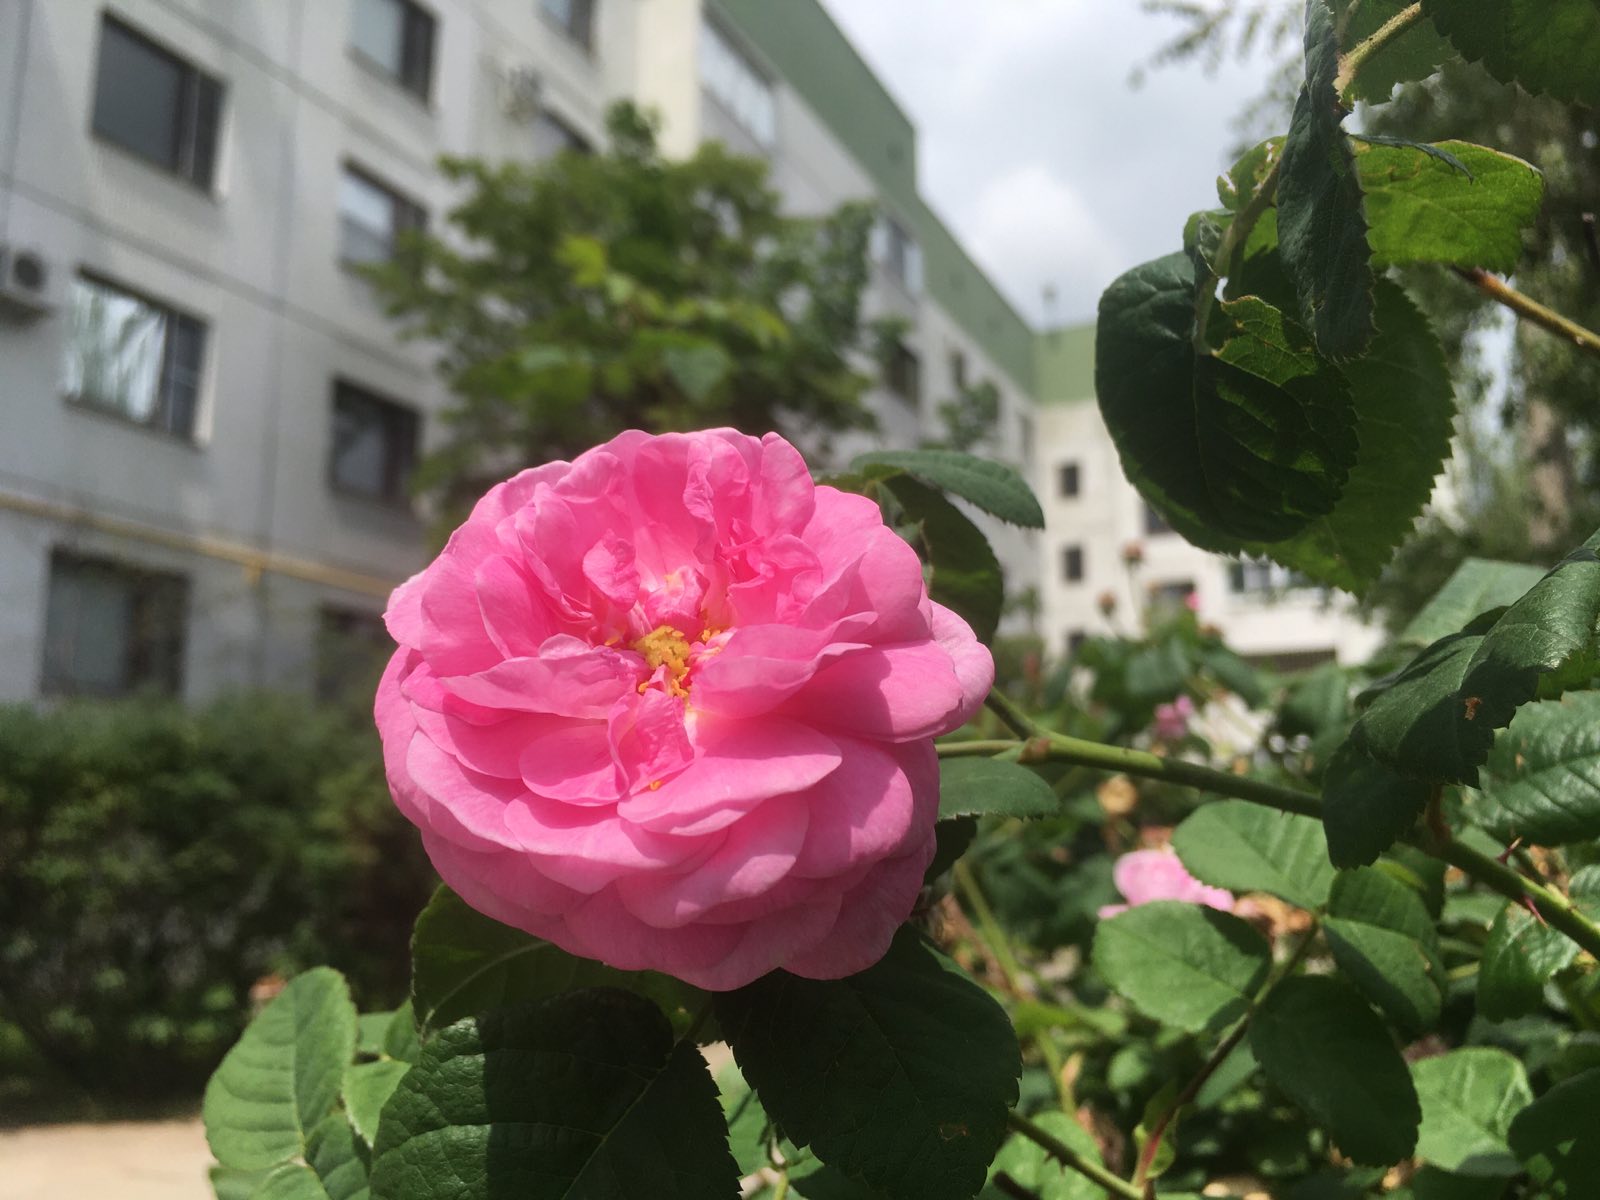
(207, 428)
(1108, 559)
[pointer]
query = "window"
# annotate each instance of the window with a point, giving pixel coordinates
(575, 18)
(372, 216)
(902, 372)
(553, 136)
(1075, 640)
(733, 81)
(154, 104)
(1260, 576)
(1025, 435)
(133, 357)
(1067, 480)
(1072, 563)
(958, 370)
(396, 36)
(111, 629)
(894, 249)
(374, 445)
(1172, 595)
(1154, 522)
(352, 647)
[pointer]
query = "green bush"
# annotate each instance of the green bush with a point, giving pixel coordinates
(156, 862)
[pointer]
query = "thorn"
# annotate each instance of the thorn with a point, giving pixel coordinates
(1527, 903)
(1508, 851)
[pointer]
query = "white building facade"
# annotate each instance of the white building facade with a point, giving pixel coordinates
(207, 426)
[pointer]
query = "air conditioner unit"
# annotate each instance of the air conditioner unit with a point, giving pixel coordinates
(28, 285)
(522, 89)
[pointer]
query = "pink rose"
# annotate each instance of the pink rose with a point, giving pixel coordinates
(1146, 875)
(1172, 720)
(672, 706)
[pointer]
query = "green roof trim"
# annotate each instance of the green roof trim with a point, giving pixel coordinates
(1064, 365)
(812, 55)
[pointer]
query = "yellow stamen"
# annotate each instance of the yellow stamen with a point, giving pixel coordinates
(665, 647)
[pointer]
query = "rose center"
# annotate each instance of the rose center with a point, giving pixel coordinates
(666, 647)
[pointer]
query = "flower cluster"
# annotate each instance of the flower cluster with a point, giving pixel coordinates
(671, 706)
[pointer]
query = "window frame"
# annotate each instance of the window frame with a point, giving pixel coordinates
(715, 39)
(578, 29)
(398, 467)
(419, 39)
(1069, 480)
(347, 637)
(902, 373)
(1072, 563)
(196, 88)
(162, 409)
(146, 661)
(409, 215)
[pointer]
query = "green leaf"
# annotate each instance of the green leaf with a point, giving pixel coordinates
(227, 1183)
(1029, 1165)
(1183, 964)
(400, 1039)
(1404, 410)
(1423, 210)
(463, 962)
(582, 1096)
(338, 1160)
(976, 787)
(1542, 780)
(1469, 1097)
(367, 1089)
(1317, 703)
(964, 573)
(371, 1028)
(899, 1076)
(1414, 54)
(1245, 445)
(1384, 940)
(1321, 1045)
(1322, 229)
(1244, 847)
(749, 1127)
(291, 1182)
(1366, 806)
(991, 486)
(1548, 46)
(1520, 957)
(1557, 1133)
(698, 370)
(284, 1074)
(1417, 725)
(1477, 586)
(951, 839)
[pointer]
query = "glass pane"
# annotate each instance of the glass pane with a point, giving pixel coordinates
(562, 12)
(138, 96)
(378, 31)
(358, 445)
(203, 134)
(115, 350)
(185, 360)
(87, 625)
(366, 220)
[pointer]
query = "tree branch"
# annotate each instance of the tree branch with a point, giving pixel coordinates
(1529, 309)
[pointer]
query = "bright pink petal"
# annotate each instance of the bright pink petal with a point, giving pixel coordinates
(898, 693)
(974, 665)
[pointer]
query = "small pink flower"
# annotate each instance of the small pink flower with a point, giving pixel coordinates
(1146, 875)
(1172, 720)
(1191, 601)
(672, 706)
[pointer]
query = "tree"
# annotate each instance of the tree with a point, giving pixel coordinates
(586, 294)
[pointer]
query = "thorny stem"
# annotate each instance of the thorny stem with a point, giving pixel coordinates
(1071, 1159)
(1530, 309)
(1377, 40)
(1555, 908)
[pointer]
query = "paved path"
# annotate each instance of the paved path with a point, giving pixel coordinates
(132, 1160)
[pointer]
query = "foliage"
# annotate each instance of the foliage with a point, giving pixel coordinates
(590, 293)
(158, 863)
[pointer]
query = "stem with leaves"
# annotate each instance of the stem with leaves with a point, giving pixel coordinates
(1071, 1159)
(1380, 37)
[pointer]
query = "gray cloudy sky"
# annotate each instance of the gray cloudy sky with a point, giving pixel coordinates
(1047, 165)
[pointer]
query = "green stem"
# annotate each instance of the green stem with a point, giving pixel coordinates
(978, 749)
(781, 1188)
(1555, 908)
(1380, 37)
(1530, 309)
(1071, 1159)
(1233, 240)
(1019, 722)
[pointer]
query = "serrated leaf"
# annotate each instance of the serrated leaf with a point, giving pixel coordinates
(1317, 703)
(1423, 210)
(1418, 725)
(1322, 229)
(1244, 847)
(1030, 1166)
(977, 787)
(1366, 806)
(899, 1076)
(1405, 411)
(1548, 46)
(284, 1074)
(295, 1181)
(698, 369)
(1247, 444)
(991, 486)
(964, 574)
(228, 1183)
(1556, 1134)
(951, 839)
(1520, 957)
(367, 1089)
(581, 1096)
(1325, 1049)
(400, 1039)
(1384, 940)
(338, 1160)
(1542, 780)
(1469, 1098)
(1477, 586)
(1183, 964)
(463, 963)
(370, 1031)
(1414, 54)
(749, 1126)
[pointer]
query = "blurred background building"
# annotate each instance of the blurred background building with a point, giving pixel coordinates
(207, 427)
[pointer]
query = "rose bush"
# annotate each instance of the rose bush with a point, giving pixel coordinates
(671, 706)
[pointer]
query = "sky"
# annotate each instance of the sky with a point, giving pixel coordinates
(1033, 147)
